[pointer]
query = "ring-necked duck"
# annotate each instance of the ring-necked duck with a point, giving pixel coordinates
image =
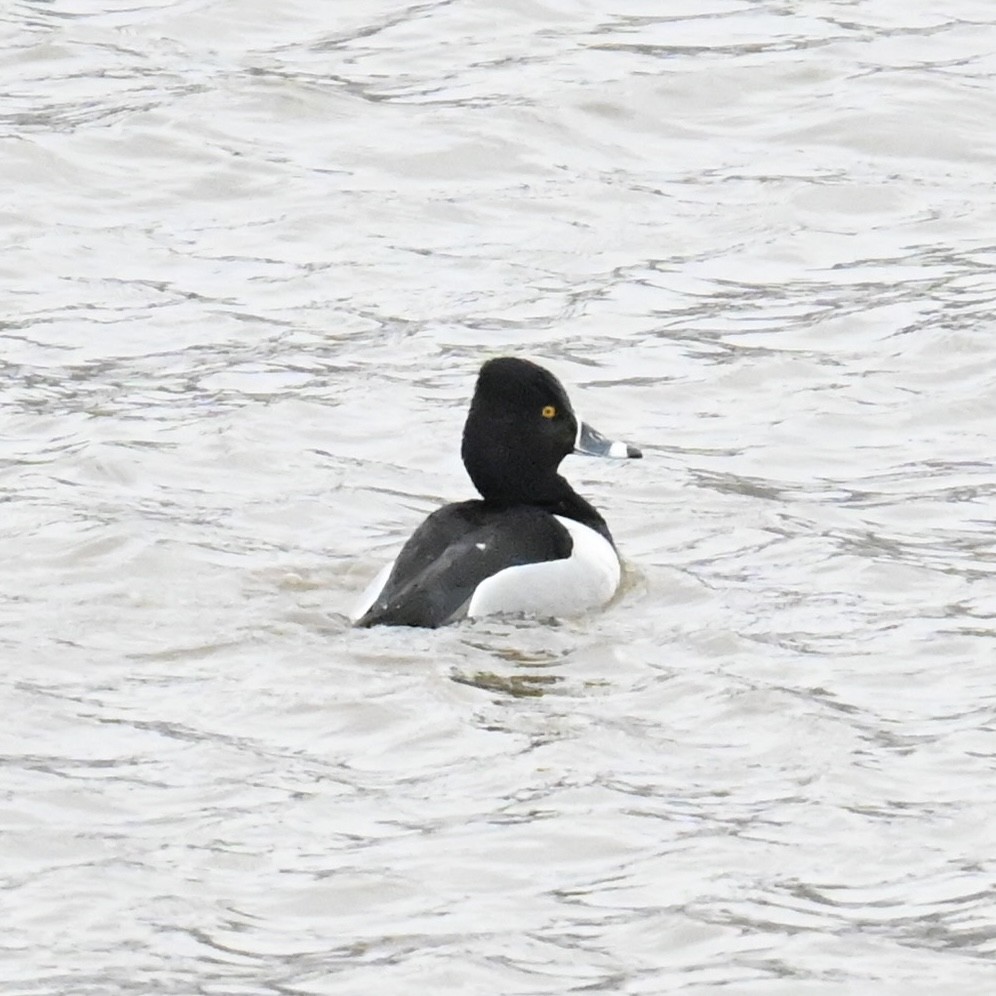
(532, 544)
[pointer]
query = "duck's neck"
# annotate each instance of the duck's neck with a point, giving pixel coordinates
(571, 505)
(554, 495)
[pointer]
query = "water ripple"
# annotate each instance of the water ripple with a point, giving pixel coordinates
(252, 265)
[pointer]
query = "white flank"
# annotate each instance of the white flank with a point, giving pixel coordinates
(371, 592)
(584, 580)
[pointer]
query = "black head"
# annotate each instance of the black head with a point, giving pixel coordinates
(520, 426)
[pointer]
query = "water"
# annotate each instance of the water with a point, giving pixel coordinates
(251, 262)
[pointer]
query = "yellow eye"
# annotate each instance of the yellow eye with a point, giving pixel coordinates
(549, 412)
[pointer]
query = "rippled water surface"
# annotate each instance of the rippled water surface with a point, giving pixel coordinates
(252, 256)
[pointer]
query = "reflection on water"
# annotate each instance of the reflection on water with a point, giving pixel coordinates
(251, 268)
(517, 685)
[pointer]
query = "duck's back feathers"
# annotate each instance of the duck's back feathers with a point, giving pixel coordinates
(457, 548)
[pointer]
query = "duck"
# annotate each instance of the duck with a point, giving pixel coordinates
(530, 545)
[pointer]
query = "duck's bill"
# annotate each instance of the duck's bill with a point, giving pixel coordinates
(592, 442)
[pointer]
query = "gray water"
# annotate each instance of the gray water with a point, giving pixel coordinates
(252, 256)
